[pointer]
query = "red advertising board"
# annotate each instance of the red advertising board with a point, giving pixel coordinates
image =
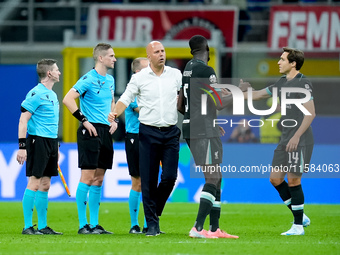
(136, 23)
(311, 28)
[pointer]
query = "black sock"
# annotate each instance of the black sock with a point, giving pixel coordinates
(215, 212)
(284, 193)
(206, 202)
(297, 203)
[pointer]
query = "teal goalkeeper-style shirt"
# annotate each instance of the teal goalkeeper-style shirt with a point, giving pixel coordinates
(43, 104)
(96, 96)
(131, 118)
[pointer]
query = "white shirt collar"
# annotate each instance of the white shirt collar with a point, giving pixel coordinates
(152, 72)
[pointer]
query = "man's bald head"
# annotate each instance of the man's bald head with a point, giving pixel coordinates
(156, 55)
(151, 46)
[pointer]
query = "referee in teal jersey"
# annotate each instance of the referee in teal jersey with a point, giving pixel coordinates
(95, 91)
(39, 118)
(132, 153)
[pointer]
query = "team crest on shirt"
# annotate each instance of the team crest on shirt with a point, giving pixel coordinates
(132, 140)
(213, 78)
(308, 87)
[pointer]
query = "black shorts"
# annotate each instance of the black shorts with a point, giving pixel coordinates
(132, 153)
(206, 151)
(95, 151)
(292, 162)
(42, 156)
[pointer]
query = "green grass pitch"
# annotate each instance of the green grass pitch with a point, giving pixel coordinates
(258, 225)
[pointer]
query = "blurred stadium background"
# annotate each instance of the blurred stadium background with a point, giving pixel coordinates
(246, 38)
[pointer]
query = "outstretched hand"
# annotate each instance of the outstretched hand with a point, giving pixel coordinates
(244, 85)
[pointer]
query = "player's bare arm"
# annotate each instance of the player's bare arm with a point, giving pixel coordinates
(306, 122)
(226, 96)
(70, 102)
(180, 101)
(22, 130)
(257, 94)
(117, 111)
(113, 124)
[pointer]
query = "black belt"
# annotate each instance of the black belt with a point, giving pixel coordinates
(160, 128)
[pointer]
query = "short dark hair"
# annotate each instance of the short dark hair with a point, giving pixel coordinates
(136, 64)
(198, 43)
(43, 66)
(98, 50)
(295, 55)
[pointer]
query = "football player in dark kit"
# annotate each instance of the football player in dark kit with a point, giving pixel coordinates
(202, 136)
(294, 151)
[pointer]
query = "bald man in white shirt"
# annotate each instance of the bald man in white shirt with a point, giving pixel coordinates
(156, 88)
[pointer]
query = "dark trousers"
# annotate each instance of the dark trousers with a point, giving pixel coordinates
(155, 145)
